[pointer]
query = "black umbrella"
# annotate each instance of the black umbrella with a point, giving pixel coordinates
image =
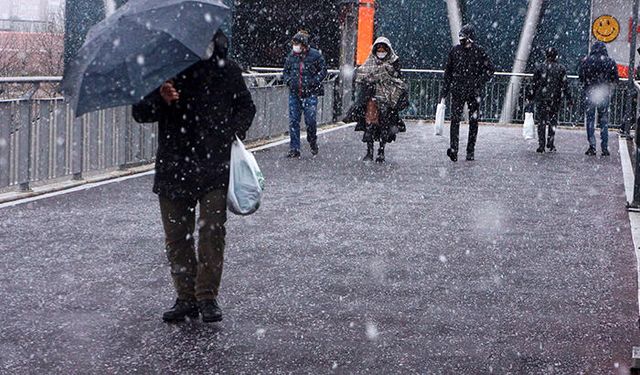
(137, 48)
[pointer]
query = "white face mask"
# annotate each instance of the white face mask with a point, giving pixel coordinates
(297, 48)
(381, 55)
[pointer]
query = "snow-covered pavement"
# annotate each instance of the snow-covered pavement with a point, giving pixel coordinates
(514, 263)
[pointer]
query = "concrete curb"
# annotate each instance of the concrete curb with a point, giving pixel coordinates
(634, 217)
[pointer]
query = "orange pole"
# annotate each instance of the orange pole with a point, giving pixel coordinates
(366, 15)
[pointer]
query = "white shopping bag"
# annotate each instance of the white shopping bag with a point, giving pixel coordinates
(529, 127)
(246, 182)
(440, 109)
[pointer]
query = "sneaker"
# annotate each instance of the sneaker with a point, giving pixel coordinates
(314, 148)
(470, 156)
(181, 310)
(591, 151)
(540, 150)
(293, 154)
(210, 311)
(605, 152)
(452, 154)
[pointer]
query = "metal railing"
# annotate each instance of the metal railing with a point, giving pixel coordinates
(425, 87)
(41, 140)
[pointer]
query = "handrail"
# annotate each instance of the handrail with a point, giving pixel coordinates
(261, 72)
(35, 79)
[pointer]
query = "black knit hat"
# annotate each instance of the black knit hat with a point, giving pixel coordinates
(467, 32)
(301, 37)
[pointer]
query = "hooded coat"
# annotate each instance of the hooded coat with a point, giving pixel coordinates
(598, 68)
(196, 132)
(382, 80)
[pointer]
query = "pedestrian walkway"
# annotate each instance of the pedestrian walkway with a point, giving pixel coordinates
(514, 263)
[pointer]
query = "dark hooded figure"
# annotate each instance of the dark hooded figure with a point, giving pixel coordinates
(199, 113)
(549, 88)
(381, 95)
(467, 70)
(599, 75)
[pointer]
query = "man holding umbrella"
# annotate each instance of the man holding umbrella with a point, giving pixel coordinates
(199, 113)
(175, 72)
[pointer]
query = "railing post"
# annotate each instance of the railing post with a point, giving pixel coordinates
(636, 183)
(127, 143)
(349, 34)
(77, 150)
(632, 102)
(26, 140)
(25, 145)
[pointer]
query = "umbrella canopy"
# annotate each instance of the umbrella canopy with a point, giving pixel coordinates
(137, 48)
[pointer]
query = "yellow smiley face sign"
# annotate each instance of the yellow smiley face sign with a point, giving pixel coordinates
(606, 29)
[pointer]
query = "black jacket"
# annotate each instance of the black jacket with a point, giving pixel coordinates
(466, 71)
(196, 132)
(304, 73)
(598, 68)
(550, 85)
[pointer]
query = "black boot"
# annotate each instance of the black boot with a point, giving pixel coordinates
(180, 310)
(471, 156)
(605, 152)
(540, 149)
(369, 155)
(591, 151)
(314, 148)
(210, 311)
(380, 158)
(452, 154)
(293, 154)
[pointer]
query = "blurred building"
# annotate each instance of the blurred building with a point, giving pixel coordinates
(28, 15)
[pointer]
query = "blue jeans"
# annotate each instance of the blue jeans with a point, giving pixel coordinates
(602, 109)
(298, 106)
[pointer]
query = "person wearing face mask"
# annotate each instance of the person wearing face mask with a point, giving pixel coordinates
(467, 70)
(381, 95)
(304, 71)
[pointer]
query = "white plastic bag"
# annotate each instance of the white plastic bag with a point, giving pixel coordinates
(246, 182)
(529, 127)
(440, 109)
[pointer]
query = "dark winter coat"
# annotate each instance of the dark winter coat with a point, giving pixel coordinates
(196, 132)
(304, 73)
(466, 71)
(598, 68)
(364, 92)
(550, 85)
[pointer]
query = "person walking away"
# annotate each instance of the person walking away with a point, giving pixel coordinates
(381, 95)
(549, 88)
(199, 114)
(598, 74)
(304, 71)
(467, 70)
